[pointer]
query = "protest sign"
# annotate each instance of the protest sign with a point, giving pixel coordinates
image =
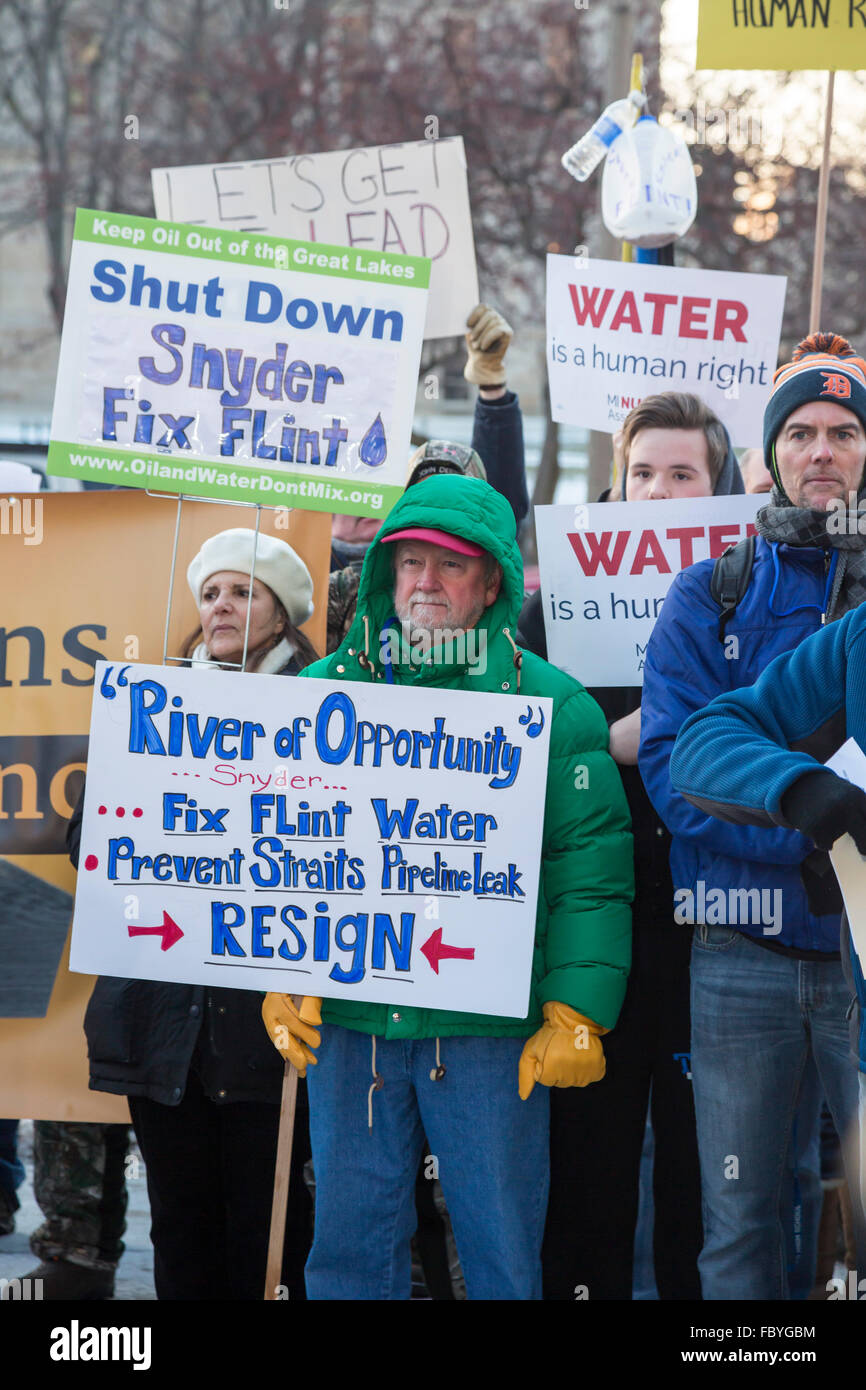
(618, 332)
(849, 762)
(782, 34)
(84, 576)
(352, 841)
(248, 369)
(605, 569)
(412, 198)
(34, 924)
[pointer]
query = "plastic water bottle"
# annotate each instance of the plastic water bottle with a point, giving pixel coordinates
(591, 149)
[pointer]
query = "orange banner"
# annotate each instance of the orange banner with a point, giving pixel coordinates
(85, 576)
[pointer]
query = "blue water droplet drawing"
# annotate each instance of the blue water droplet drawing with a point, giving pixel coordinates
(374, 446)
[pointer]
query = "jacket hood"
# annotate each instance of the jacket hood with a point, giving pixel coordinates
(730, 480)
(465, 507)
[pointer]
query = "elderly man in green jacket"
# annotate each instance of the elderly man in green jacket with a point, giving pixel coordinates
(446, 561)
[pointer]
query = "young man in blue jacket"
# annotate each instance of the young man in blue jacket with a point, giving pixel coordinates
(768, 991)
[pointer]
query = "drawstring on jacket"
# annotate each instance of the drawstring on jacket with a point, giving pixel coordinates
(438, 1071)
(517, 658)
(378, 1083)
(364, 657)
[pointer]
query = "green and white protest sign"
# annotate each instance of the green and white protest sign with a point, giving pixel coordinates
(246, 368)
(351, 841)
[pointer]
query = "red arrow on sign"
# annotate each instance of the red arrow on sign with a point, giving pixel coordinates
(169, 931)
(435, 950)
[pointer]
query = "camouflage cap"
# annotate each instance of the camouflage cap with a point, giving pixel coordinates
(442, 456)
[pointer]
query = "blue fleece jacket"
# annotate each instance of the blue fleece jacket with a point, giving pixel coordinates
(738, 757)
(686, 667)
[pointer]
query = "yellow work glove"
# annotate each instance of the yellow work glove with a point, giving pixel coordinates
(486, 345)
(566, 1051)
(290, 1030)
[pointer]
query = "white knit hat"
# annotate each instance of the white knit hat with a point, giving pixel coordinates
(277, 565)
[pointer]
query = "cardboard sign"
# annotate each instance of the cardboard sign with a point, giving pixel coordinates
(618, 332)
(789, 35)
(351, 841)
(34, 924)
(243, 368)
(84, 577)
(606, 567)
(408, 198)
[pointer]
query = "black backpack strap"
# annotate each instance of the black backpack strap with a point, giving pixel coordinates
(730, 579)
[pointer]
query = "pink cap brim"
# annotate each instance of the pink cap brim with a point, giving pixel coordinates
(443, 538)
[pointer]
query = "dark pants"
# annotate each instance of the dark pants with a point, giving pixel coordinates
(12, 1172)
(596, 1137)
(210, 1179)
(79, 1182)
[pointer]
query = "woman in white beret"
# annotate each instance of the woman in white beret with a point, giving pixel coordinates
(202, 1077)
(282, 599)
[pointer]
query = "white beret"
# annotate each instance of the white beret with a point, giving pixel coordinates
(277, 565)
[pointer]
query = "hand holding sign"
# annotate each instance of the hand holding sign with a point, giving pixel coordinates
(825, 806)
(293, 1030)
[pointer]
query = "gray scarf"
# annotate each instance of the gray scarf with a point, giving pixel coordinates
(782, 522)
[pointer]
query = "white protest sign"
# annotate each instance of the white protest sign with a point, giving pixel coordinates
(343, 840)
(849, 762)
(411, 198)
(249, 369)
(619, 332)
(18, 477)
(605, 568)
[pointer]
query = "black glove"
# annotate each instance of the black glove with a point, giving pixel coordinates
(821, 884)
(824, 806)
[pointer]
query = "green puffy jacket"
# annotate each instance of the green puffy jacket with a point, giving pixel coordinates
(583, 923)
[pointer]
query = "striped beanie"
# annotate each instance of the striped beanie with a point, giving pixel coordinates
(824, 367)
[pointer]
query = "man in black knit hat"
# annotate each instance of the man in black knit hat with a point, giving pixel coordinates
(768, 992)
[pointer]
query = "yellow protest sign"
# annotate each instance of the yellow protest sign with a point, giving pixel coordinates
(788, 35)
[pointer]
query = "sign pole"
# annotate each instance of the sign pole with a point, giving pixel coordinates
(821, 218)
(282, 1177)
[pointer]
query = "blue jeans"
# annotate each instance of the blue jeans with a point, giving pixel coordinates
(862, 1186)
(757, 1016)
(802, 1194)
(491, 1153)
(12, 1172)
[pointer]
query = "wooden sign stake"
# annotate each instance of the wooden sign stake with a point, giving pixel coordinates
(282, 1177)
(821, 218)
